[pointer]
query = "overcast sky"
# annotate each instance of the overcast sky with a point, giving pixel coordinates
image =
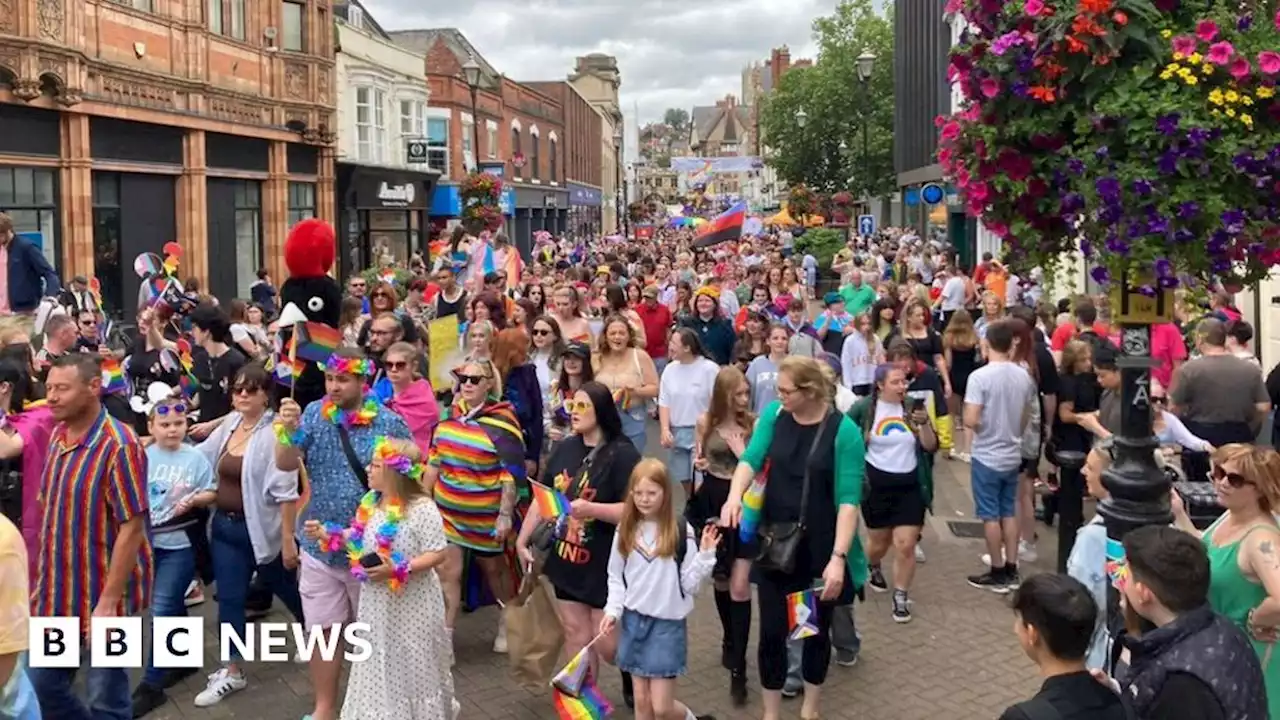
(671, 53)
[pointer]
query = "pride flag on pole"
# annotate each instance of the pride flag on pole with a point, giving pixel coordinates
(590, 704)
(802, 614)
(551, 502)
(725, 227)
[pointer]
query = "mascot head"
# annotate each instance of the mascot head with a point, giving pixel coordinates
(313, 295)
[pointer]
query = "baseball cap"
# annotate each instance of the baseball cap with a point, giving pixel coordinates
(577, 349)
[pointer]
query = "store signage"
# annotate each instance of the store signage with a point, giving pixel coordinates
(415, 152)
(392, 191)
(549, 201)
(396, 195)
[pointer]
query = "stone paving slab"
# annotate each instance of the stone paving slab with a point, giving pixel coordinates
(957, 660)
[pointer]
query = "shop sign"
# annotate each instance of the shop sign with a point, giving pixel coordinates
(398, 192)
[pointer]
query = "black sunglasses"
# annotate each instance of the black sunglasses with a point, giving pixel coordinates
(246, 389)
(1235, 480)
(471, 379)
(539, 332)
(396, 364)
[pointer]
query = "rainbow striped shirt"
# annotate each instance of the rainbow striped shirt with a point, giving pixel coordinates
(469, 489)
(90, 488)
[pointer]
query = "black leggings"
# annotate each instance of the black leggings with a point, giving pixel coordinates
(771, 595)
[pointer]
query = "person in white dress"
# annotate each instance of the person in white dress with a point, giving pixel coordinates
(400, 540)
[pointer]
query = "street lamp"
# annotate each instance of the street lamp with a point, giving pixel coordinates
(471, 73)
(866, 64)
(801, 117)
(617, 178)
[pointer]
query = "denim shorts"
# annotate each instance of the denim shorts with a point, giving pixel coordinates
(681, 464)
(995, 492)
(650, 647)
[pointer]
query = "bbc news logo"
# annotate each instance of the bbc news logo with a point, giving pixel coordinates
(179, 642)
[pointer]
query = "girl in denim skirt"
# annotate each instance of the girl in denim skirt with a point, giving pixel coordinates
(655, 568)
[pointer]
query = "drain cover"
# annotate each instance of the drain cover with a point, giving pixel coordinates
(971, 529)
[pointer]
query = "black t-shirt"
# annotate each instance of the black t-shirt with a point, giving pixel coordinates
(144, 369)
(1076, 696)
(925, 348)
(444, 308)
(578, 565)
(215, 375)
(1083, 393)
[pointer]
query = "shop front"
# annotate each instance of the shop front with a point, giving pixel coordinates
(584, 216)
(382, 214)
(539, 209)
(29, 179)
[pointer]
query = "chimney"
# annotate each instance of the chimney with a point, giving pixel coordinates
(781, 58)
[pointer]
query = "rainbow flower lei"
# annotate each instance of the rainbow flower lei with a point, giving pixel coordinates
(384, 451)
(351, 540)
(361, 416)
(360, 367)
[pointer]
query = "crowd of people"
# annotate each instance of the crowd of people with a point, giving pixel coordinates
(800, 419)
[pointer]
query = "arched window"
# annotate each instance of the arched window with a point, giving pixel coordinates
(515, 150)
(535, 159)
(551, 162)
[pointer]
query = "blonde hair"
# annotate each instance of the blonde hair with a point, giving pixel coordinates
(655, 471)
(960, 333)
(410, 353)
(1259, 465)
(1072, 352)
(406, 488)
(811, 377)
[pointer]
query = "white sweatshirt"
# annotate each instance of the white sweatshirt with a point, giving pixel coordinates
(653, 584)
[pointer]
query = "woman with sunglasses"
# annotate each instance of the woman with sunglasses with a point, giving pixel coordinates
(385, 300)
(545, 356)
(254, 516)
(474, 452)
(412, 396)
(575, 371)
(1244, 549)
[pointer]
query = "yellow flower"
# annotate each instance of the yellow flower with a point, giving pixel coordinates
(1231, 112)
(1191, 79)
(1173, 67)
(1215, 97)
(1184, 72)
(1194, 58)
(1179, 56)
(1247, 119)
(1166, 75)
(1207, 69)
(1215, 113)
(1246, 100)
(1265, 93)
(1232, 96)
(1166, 34)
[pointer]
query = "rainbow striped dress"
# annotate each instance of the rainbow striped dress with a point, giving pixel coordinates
(477, 455)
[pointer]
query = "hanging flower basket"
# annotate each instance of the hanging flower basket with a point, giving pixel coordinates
(1144, 132)
(481, 195)
(801, 202)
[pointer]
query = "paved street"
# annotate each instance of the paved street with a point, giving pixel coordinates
(956, 660)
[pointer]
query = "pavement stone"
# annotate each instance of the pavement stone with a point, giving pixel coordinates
(958, 659)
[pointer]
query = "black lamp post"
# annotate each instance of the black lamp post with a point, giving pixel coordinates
(471, 72)
(617, 178)
(866, 64)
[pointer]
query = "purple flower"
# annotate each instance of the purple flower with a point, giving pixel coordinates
(1146, 290)
(1142, 187)
(1108, 188)
(1188, 210)
(1183, 235)
(1168, 163)
(1075, 166)
(1163, 267)
(1233, 221)
(1071, 202)
(1102, 152)
(1198, 136)
(1117, 246)
(1167, 283)
(1157, 225)
(1244, 22)
(1006, 42)
(1168, 124)
(1100, 275)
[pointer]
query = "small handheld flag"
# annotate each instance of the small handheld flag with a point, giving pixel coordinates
(573, 675)
(315, 342)
(113, 377)
(590, 704)
(802, 614)
(551, 502)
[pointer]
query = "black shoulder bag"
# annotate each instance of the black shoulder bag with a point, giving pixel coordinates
(356, 466)
(544, 536)
(780, 541)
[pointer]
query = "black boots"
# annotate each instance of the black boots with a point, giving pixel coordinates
(739, 633)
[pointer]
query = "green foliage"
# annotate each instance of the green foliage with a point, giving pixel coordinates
(374, 277)
(836, 105)
(676, 118)
(822, 243)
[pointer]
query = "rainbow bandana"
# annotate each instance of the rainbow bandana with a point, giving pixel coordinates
(360, 367)
(384, 451)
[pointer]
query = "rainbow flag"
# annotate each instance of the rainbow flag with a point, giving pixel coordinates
(802, 614)
(551, 503)
(590, 704)
(113, 377)
(573, 676)
(725, 227)
(753, 506)
(279, 365)
(316, 341)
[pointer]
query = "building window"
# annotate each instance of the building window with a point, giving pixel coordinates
(136, 4)
(302, 202)
(491, 138)
(551, 163)
(379, 126)
(292, 36)
(226, 17)
(410, 119)
(536, 159)
(468, 147)
(248, 202)
(30, 197)
(364, 124)
(515, 151)
(438, 144)
(106, 241)
(355, 16)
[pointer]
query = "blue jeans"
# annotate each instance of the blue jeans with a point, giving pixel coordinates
(107, 690)
(633, 426)
(844, 638)
(174, 570)
(233, 567)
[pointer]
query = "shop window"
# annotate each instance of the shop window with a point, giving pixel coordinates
(292, 35)
(30, 197)
(551, 164)
(106, 241)
(226, 17)
(391, 234)
(438, 144)
(302, 202)
(536, 158)
(248, 223)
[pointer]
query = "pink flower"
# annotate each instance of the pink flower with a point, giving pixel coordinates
(1220, 53)
(1034, 7)
(1185, 45)
(1207, 30)
(1240, 68)
(1269, 62)
(953, 6)
(950, 131)
(990, 87)
(1277, 20)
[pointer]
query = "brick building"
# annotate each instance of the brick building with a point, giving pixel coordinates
(583, 164)
(515, 131)
(127, 126)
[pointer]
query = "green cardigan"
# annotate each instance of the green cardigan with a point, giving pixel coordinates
(862, 414)
(849, 475)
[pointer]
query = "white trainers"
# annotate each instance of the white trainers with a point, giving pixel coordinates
(1026, 553)
(500, 642)
(221, 684)
(920, 557)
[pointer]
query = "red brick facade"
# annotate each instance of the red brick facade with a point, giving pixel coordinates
(582, 161)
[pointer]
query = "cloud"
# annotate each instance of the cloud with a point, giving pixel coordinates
(671, 53)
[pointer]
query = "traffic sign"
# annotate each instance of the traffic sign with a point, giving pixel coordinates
(866, 225)
(932, 194)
